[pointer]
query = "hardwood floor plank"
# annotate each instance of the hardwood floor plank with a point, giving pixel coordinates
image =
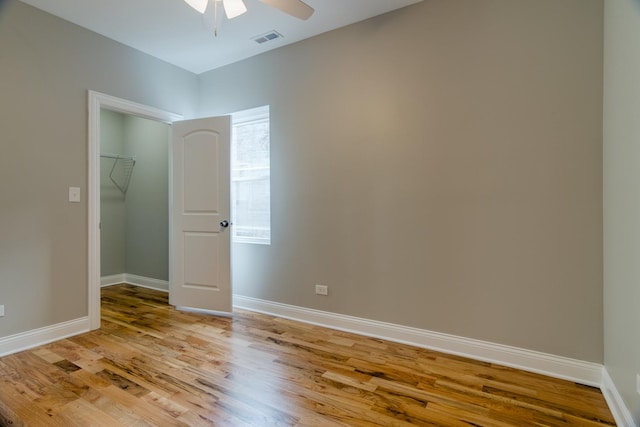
(83, 413)
(142, 409)
(150, 365)
(125, 416)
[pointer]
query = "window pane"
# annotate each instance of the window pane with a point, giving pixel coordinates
(250, 176)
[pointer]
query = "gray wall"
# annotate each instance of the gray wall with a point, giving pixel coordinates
(112, 201)
(47, 65)
(622, 198)
(135, 226)
(437, 167)
(147, 201)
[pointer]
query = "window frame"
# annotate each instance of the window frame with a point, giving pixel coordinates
(239, 118)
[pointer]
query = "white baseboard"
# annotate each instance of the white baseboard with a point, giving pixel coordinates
(26, 340)
(587, 373)
(618, 408)
(114, 279)
(132, 279)
(147, 282)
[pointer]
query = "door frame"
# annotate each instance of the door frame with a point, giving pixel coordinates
(96, 102)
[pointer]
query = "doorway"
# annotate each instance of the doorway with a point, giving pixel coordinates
(134, 203)
(99, 102)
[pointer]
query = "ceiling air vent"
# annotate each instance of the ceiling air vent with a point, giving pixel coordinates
(267, 37)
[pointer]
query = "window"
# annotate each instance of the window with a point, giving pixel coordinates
(250, 176)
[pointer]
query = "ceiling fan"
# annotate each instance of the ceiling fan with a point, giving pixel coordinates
(234, 8)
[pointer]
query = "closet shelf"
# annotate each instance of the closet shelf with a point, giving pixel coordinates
(121, 170)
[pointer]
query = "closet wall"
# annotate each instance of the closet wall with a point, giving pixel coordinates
(135, 224)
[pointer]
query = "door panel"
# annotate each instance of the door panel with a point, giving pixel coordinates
(201, 252)
(200, 153)
(201, 258)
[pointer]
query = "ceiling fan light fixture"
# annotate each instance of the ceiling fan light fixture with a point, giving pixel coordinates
(199, 5)
(234, 8)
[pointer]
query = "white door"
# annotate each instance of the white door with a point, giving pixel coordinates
(201, 246)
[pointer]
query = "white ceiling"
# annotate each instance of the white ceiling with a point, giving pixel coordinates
(172, 31)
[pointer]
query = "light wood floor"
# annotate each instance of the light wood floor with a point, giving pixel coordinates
(152, 365)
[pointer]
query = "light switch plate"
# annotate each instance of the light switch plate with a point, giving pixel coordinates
(1, 310)
(74, 194)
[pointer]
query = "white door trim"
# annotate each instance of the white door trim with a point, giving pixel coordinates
(96, 102)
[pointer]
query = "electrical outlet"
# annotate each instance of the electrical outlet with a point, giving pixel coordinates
(322, 290)
(1, 310)
(638, 383)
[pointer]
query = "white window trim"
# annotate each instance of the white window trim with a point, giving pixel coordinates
(254, 115)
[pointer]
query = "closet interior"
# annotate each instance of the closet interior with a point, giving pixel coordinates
(134, 200)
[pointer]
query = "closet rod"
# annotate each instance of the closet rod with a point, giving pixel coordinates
(116, 156)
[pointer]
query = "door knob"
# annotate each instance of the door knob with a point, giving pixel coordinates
(224, 224)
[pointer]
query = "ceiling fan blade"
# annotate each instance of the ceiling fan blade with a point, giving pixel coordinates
(199, 5)
(296, 8)
(234, 8)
